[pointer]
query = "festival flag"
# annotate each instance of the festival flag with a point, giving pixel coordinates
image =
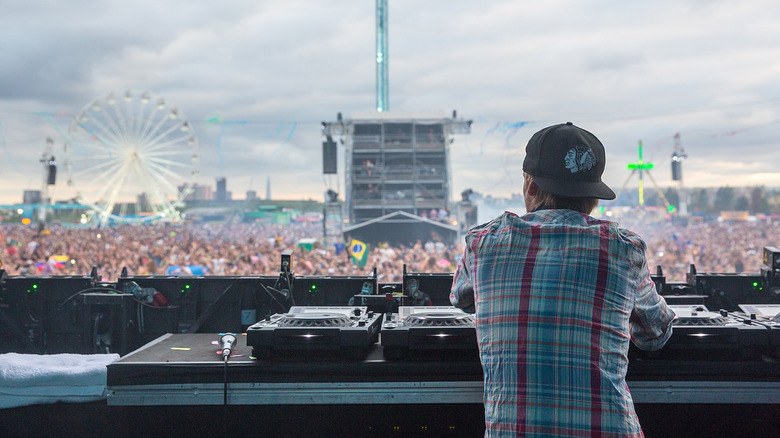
(359, 252)
(58, 260)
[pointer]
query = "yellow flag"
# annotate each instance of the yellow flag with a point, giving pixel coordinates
(357, 249)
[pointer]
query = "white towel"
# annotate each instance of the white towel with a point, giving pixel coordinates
(27, 379)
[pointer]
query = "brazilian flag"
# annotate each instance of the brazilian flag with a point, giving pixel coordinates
(359, 252)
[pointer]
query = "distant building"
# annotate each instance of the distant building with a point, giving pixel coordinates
(32, 197)
(222, 194)
(203, 193)
(142, 202)
(199, 193)
(251, 195)
(268, 189)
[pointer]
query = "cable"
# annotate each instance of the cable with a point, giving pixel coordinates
(91, 289)
(32, 318)
(62, 304)
(267, 291)
(228, 343)
(284, 276)
(287, 277)
(224, 391)
(7, 322)
(140, 316)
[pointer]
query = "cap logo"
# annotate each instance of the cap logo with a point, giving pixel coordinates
(579, 159)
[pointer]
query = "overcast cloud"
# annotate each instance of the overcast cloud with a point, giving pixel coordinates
(627, 71)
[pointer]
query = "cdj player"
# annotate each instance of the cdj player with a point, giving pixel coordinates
(701, 334)
(348, 330)
(762, 311)
(767, 315)
(429, 331)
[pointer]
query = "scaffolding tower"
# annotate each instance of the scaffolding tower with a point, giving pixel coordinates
(396, 162)
(332, 218)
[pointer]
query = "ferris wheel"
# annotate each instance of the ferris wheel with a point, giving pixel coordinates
(131, 158)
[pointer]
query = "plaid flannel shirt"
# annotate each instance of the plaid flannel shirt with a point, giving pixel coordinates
(558, 295)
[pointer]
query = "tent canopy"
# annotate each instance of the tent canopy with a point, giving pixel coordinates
(401, 228)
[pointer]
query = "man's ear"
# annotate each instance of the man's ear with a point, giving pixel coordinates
(532, 187)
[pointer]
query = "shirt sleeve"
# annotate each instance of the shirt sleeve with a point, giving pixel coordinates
(651, 319)
(462, 292)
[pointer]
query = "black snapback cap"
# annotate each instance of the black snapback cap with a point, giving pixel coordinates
(568, 161)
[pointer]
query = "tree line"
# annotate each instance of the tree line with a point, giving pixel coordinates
(716, 200)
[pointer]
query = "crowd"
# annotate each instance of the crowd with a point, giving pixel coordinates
(202, 249)
(716, 247)
(255, 249)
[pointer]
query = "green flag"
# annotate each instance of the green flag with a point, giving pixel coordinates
(359, 252)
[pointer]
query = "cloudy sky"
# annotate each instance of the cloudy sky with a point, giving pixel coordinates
(274, 70)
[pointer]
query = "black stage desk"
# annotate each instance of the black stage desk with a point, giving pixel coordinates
(177, 382)
(185, 369)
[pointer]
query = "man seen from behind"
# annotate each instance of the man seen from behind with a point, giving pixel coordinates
(558, 295)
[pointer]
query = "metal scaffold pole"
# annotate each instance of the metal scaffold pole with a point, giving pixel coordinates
(382, 101)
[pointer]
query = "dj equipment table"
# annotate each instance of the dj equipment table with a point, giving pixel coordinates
(185, 369)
